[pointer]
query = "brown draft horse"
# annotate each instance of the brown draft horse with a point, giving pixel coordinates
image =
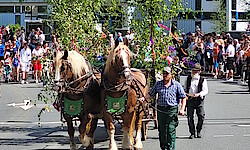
(118, 78)
(79, 81)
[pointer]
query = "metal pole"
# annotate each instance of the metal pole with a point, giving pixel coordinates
(31, 12)
(153, 66)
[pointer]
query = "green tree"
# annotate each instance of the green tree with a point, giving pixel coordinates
(146, 16)
(75, 22)
(220, 18)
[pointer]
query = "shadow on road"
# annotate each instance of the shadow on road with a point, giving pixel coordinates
(34, 135)
(234, 92)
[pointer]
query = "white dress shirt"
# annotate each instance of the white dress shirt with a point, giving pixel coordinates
(25, 55)
(194, 87)
(231, 50)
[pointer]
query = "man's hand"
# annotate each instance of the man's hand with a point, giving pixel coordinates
(181, 112)
(141, 100)
(197, 95)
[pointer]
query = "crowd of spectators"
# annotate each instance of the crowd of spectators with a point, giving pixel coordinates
(22, 52)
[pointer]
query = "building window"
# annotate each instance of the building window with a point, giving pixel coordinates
(18, 9)
(242, 15)
(6, 9)
(198, 5)
(209, 15)
(18, 19)
(23, 9)
(42, 9)
(233, 4)
(233, 25)
(239, 15)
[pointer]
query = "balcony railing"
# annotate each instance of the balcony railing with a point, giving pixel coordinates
(25, 1)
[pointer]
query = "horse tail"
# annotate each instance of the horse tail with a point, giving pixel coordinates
(88, 126)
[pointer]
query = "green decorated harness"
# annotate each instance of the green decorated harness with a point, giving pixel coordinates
(72, 108)
(116, 106)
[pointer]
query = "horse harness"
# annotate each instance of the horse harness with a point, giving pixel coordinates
(77, 90)
(109, 87)
(74, 108)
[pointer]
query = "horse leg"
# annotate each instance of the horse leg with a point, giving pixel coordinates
(128, 129)
(71, 131)
(85, 126)
(111, 131)
(138, 143)
(91, 134)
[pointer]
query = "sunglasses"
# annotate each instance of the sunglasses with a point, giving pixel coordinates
(165, 73)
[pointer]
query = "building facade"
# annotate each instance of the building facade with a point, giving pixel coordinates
(34, 13)
(29, 13)
(235, 13)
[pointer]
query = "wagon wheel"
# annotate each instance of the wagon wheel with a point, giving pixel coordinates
(144, 130)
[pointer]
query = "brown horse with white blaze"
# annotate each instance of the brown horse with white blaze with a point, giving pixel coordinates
(119, 79)
(79, 82)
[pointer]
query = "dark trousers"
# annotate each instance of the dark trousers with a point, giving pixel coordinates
(198, 106)
(167, 123)
(249, 80)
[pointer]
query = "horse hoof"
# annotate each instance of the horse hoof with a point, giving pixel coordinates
(73, 147)
(86, 141)
(138, 146)
(113, 146)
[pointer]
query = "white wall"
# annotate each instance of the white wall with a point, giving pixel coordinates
(241, 26)
(206, 26)
(186, 25)
(209, 6)
(7, 18)
(241, 5)
(189, 4)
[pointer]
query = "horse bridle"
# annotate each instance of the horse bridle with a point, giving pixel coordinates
(67, 86)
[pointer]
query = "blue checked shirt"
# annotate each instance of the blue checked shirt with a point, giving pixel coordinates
(167, 96)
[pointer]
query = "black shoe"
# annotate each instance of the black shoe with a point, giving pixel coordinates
(191, 136)
(198, 135)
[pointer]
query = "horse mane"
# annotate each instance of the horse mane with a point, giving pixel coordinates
(77, 61)
(113, 53)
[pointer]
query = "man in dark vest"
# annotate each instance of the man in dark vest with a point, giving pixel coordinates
(196, 89)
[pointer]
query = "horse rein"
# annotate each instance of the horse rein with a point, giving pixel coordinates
(88, 76)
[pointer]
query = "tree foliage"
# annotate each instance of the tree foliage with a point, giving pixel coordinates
(147, 14)
(76, 22)
(220, 18)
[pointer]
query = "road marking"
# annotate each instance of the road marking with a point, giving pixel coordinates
(24, 123)
(219, 136)
(242, 122)
(246, 135)
(215, 122)
(243, 125)
(25, 105)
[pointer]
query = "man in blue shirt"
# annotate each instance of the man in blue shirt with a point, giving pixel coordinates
(169, 92)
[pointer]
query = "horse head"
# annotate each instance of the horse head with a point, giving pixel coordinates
(119, 61)
(70, 65)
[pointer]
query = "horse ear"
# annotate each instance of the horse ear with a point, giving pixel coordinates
(65, 56)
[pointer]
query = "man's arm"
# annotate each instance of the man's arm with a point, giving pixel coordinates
(183, 105)
(204, 89)
(150, 94)
(183, 101)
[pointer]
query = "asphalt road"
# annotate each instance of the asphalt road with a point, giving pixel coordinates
(226, 127)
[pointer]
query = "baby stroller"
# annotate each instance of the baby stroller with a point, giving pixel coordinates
(6, 73)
